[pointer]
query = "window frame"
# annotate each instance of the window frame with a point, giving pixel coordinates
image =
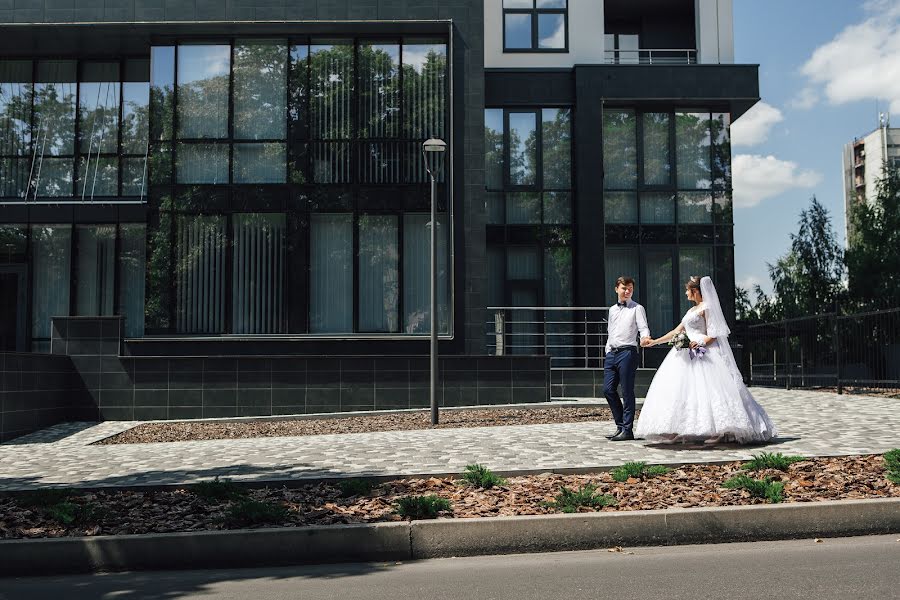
(534, 12)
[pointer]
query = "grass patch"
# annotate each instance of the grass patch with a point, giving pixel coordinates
(355, 487)
(63, 512)
(637, 470)
(421, 507)
(773, 491)
(247, 512)
(569, 501)
(766, 460)
(892, 465)
(481, 476)
(218, 490)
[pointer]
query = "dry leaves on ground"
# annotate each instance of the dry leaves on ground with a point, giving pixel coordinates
(136, 512)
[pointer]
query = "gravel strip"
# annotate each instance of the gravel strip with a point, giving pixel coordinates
(182, 431)
(135, 512)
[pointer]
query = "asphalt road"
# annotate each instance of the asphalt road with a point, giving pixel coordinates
(862, 567)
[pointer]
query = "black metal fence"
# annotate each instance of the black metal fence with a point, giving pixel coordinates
(853, 353)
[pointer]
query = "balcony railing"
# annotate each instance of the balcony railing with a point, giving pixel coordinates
(654, 56)
(573, 337)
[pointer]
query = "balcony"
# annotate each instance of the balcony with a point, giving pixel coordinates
(651, 56)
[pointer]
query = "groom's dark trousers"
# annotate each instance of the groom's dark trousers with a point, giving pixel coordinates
(620, 366)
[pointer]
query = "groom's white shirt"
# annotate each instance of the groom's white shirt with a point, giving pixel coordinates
(625, 322)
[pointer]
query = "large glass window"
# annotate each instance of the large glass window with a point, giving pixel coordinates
(693, 261)
(132, 274)
(622, 262)
(619, 150)
(15, 127)
(203, 71)
(260, 110)
(657, 166)
(494, 157)
(378, 259)
(331, 273)
(535, 25)
(658, 295)
(417, 273)
(692, 143)
(95, 287)
(200, 274)
(55, 93)
(258, 288)
(51, 247)
(522, 148)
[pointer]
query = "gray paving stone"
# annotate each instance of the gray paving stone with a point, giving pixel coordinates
(810, 423)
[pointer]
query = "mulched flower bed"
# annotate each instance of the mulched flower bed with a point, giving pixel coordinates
(133, 512)
(188, 431)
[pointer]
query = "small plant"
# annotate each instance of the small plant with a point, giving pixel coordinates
(569, 501)
(218, 490)
(767, 460)
(44, 498)
(773, 491)
(421, 507)
(63, 512)
(355, 487)
(892, 465)
(248, 512)
(481, 476)
(637, 470)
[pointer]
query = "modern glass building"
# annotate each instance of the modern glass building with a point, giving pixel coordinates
(244, 183)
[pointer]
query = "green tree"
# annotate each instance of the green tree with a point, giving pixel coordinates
(809, 278)
(873, 254)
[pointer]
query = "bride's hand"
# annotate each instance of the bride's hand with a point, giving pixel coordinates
(694, 345)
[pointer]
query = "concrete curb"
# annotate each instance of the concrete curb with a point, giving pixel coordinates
(448, 537)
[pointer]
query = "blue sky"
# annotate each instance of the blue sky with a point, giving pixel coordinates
(823, 66)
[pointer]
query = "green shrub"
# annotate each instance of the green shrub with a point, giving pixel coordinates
(773, 491)
(247, 512)
(569, 501)
(218, 490)
(481, 476)
(421, 507)
(892, 465)
(766, 460)
(637, 470)
(355, 487)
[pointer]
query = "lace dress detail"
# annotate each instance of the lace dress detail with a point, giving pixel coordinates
(701, 398)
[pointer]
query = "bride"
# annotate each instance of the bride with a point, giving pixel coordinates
(698, 393)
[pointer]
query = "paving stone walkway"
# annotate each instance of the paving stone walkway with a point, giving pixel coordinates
(810, 424)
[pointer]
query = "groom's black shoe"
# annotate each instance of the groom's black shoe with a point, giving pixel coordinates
(612, 435)
(625, 434)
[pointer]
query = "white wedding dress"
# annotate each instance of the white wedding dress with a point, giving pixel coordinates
(703, 398)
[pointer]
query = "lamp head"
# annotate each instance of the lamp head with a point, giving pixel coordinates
(434, 145)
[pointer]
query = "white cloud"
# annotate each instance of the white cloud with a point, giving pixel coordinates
(861, 62)
(759, 177)
(754, 126)
(805, 99)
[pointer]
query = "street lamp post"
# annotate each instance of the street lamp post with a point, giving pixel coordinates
(433, 146)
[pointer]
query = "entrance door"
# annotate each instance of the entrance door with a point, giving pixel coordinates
(12, 308)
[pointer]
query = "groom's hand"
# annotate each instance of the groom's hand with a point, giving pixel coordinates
(646, 341)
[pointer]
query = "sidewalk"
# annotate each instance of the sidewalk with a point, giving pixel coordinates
(810, 423)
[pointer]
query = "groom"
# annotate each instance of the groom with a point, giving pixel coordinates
(626, 319)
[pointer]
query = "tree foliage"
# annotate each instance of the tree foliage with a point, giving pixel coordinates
(873, 254)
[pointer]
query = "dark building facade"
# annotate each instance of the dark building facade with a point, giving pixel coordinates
(205, 190)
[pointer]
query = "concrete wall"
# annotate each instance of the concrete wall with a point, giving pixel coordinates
(37, 391)
(193, 387)
(715, 31)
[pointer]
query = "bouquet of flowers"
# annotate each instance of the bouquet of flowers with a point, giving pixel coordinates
(681, 341)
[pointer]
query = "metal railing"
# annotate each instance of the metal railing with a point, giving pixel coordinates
(855, 352)
(651, 56)
(573, 337)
